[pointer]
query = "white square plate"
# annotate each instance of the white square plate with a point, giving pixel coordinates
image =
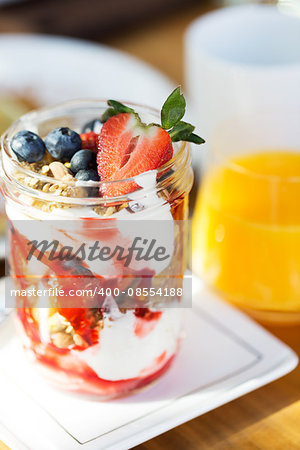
(224, 355)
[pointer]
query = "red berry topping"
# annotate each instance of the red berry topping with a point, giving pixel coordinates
(127, 148)
(89, 140)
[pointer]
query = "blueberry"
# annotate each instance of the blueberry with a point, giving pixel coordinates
(94, 125)
(83, 160)
(62, 143)
(87, 175)
(28, 146)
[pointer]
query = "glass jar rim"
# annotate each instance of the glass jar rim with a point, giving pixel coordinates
(181, 156)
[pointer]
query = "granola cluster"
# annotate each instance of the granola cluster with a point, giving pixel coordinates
(65, 334)
(64, 184)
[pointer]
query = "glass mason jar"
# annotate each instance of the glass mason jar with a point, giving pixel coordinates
(109, 326)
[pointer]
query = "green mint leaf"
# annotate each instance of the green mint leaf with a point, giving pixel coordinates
(108, 114)
(119, 107)
(181, 131)
(173, 109)
(195, 139)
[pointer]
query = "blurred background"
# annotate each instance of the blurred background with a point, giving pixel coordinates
(92, 19)
(130, 25)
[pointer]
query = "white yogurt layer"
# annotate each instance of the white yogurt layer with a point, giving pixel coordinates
(121, 354)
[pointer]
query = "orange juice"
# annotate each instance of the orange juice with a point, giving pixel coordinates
(246, 231)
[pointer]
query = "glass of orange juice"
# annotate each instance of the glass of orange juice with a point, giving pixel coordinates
(246, 224)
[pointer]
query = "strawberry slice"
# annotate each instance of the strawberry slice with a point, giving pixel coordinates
(127, 148)
(89, 140)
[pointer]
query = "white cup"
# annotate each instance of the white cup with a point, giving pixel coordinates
(240, 60)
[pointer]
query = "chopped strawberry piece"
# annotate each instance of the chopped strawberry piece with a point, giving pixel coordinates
(127, 148)
(113, 143)
(89, 140)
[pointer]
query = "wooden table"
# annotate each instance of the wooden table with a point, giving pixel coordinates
(268, 418)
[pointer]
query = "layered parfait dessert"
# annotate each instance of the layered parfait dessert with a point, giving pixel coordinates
(81, 176)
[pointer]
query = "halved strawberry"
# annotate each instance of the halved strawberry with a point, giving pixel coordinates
(89, 140)
(127, 148)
